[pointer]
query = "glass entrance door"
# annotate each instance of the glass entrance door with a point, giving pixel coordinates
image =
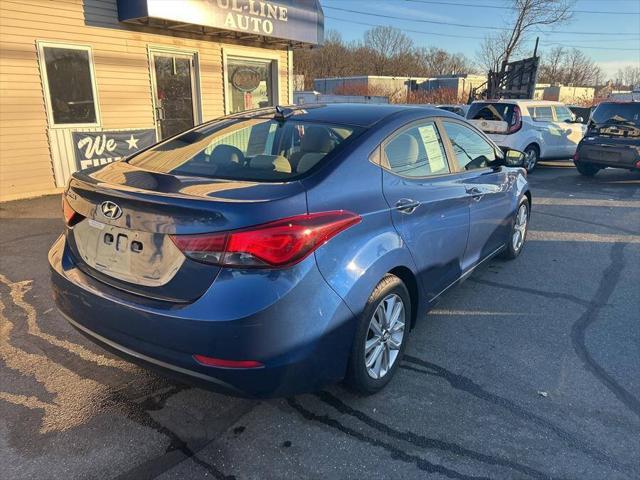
(174, 93)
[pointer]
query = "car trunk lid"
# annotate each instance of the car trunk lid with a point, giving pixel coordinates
(128, 214)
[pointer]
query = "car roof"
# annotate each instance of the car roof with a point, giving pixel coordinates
(620, 102)
(521, 102)
(457, 105)
(355, 114)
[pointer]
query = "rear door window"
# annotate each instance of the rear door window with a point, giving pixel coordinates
(416, 152)
(541, 114)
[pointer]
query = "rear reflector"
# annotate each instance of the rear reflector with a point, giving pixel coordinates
(219, 362)
(276, 244)
(71, 217)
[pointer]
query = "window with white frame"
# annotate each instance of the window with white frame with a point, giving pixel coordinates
(69, 82)
(250, 83)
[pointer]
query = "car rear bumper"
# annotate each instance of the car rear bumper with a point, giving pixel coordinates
(291, 321)
(609, 155)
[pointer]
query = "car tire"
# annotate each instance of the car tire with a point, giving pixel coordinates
(518, 231)
(366, 372)
(532, 156)
(587, 169)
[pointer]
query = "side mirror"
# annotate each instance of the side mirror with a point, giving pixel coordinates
(579, 120)
(513, 158)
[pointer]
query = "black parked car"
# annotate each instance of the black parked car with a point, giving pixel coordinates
(612, 139)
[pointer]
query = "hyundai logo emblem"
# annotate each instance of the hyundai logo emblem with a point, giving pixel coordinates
(110, 210)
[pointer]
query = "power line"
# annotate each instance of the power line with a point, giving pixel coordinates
(478, 38)
(434, 22)
(589, 47)
(462, 25)
(599, 40)
(404, 29)
(502, 7)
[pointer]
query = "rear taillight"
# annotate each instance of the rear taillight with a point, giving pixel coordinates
(276, 244)
(71, 217)
(516, 120)
(222, 363)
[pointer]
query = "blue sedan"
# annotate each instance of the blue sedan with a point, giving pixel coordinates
(274, 251)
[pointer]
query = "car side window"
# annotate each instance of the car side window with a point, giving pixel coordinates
(416, 152)
(541, 114)
(471, 149)
(563, 114)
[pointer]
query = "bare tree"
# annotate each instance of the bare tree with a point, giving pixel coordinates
(628, 77)
(435, 61)
(491, 51)
(570, 67)
(528, 15)
(383, 51)
(551, 70)
(599, 79)
(386, 44)
(387, 41)
(332, 59)
(579, 69)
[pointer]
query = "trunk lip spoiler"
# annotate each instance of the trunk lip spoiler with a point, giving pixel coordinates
(83, 181)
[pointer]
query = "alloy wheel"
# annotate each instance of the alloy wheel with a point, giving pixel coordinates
(385, 335)
(520, 227)
(531, 158)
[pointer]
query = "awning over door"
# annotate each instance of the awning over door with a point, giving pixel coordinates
(287, 22)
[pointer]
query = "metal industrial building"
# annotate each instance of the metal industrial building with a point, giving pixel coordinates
(397, 87)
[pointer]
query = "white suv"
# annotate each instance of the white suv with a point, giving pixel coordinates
(540, 129)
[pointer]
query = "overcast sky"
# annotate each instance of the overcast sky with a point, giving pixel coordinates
(622, 30)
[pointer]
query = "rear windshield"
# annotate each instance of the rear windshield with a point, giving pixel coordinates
(501, 112)
(581, 112)
(619, 113)
(255, 149)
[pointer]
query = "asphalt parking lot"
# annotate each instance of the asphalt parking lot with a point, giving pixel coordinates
(529, 369)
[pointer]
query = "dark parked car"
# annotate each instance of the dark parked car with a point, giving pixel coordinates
(274, 251)
(612, 139)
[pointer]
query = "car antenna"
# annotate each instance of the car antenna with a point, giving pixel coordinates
(282, 113)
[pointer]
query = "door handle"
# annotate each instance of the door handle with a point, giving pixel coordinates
(475, 193)
(407, 206)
